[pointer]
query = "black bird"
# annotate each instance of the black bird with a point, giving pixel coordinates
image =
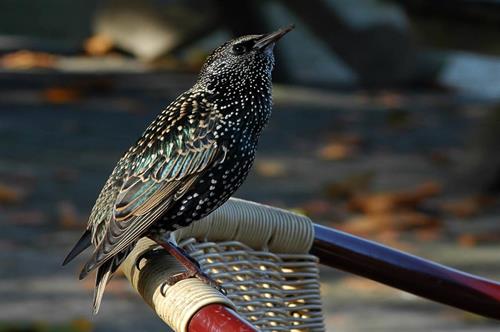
(188, 162)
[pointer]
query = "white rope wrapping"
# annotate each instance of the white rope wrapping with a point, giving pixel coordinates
(260, 256)
(182, 300)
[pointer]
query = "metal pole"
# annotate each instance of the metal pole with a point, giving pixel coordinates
(407, 272)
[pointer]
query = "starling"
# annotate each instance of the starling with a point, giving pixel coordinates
(188, 162)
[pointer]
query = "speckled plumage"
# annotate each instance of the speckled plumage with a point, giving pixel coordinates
(190, 159)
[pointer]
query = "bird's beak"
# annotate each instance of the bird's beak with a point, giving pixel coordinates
(267, 41)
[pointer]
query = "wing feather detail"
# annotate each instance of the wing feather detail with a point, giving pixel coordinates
(168, 159)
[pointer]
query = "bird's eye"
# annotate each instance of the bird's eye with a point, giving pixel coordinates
(239, 49)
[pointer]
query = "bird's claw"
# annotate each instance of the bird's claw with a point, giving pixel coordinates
(172, 280)
(188, 256)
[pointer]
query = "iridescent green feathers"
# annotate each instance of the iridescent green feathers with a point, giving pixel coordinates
(168, 159)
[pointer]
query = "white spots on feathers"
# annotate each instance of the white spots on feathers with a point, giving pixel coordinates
(227, 108)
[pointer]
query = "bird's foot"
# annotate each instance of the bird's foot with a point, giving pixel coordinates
(193, 268)
(188, 256)
(196, 273)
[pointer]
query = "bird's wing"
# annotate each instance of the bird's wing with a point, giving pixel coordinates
(171, 155)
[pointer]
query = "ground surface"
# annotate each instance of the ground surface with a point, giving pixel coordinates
(57, 148)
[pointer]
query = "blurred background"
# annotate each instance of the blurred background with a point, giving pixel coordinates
(386, 124)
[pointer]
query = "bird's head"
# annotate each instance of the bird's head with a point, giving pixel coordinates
(241, 59)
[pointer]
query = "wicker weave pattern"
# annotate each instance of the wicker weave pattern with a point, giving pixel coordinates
(275, 292)
(257, 252)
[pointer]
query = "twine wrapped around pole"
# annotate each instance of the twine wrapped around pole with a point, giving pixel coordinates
(179, 302)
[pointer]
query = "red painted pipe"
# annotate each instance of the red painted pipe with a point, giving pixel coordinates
(218, 318)
(407, 272)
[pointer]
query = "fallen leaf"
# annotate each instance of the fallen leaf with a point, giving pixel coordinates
(28, 60)
(81, 325)
(10, 194)
(428, 234)
(387, 202)
(398, 220)
(471, 240)
(468, 206)
(390, 99)
(374, 203)
(336, 151)
(467, 240)
(340, 147)
(61, 95)
(270, 168)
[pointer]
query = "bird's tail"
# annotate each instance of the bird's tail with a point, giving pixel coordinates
(81, 245)
(104, 274)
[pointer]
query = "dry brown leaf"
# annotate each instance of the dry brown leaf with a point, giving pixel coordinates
(270, 168)
(428, 234)
(340, 147)
(10, 195)
(60, 95)
(387, 202)
(468, 206)
(336, 151)
(391, 99)
(98, 45)
(374, 203)
(28, 60)
(399, 221)
(81, 325)
(471, 240)
(467, 240)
